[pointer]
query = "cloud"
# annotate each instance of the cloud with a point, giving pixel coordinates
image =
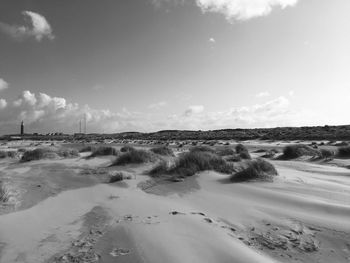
(263, 94)
(194, 109)
(36, 26)
(3, 84)
(158, 105)
(243, 9)
(3, 104)
(44, 113)
(212, 40)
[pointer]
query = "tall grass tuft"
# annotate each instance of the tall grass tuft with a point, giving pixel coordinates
(104, 151)
(133, 157)
(163, 150)
(257, 169)
(298, 150)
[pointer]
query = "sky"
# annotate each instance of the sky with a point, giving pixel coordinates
(149, 65)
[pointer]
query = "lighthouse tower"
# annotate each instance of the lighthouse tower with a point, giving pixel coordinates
(22, 128)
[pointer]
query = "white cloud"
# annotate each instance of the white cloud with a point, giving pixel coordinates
(158, 105)
(263, 94)
(37, 27)
(3, 104)
(243, 9)
(44, 113)
(3, 84)
(291, 93)
(194, 109)
(212, 40)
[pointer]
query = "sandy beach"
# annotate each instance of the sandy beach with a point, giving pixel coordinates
(61, 213)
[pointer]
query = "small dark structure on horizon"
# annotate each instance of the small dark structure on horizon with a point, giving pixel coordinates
(22, 128)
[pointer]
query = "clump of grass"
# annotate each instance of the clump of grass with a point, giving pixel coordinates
(344, 152)
(163, 150)
(326, 153)
(233, 158)
(190, 163)
(133, 157)
(202, 148)
(159, 169)
(48, 153)
(103, 151)
(242, 151)
(257, 169)
(298, 150)
(36, 154)
(118, 176)
(88, 148)
(4, 193)
(68, 153)
(225, 151)
(127, 148)
(7, 154)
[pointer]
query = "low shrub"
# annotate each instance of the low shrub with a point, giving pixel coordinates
(298, 150)
(163, 150)
(257, 169)
(344, 152)
(103, 151)
(126, 148)
(133, 157)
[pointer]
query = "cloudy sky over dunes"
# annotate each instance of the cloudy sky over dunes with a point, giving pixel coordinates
(150, 65)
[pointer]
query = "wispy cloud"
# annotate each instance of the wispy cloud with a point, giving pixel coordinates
(157, 105)
(3, 104)
(3, 84)
(36, 26)
(193, 109)
(263, 94)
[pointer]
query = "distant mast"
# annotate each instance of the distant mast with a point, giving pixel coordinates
(22, 128)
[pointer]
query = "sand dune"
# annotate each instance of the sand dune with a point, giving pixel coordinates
(302, 216)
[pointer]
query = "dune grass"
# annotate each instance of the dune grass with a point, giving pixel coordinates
(4, 193)
(202, 148)
(191, 163)
(127, 148)
(298, 150)
(257, 169)
(43, 153)
(163, 150)
(88, 148)
(7, 154)
(118, 176)
(344, 152)
(226, 151)
(104, 151)
(133, 156)
(242, 151)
